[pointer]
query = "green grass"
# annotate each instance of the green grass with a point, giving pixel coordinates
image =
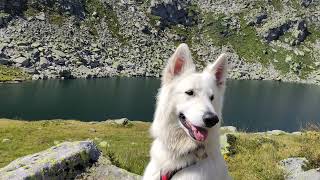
(254, 156)
(257, 156)
(277, 4)
(130, 145)
(12, 73)
(314, 34)
(213, 28)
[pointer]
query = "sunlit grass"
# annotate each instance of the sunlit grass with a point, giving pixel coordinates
(130, 144)
(255, 156)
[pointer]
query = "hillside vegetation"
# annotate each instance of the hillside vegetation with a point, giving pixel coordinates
(266, 39)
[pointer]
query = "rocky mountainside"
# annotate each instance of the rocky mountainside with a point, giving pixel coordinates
(266, 39)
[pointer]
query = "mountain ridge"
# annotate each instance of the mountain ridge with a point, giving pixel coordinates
(265, 39)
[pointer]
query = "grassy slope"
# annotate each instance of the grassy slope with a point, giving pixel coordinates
(256, 156)
(11, 73)
(128, 144)
(251, 47)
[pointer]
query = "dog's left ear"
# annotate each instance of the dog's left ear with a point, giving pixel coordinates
(219, 69)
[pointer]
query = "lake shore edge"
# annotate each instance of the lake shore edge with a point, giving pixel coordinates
(291, 79)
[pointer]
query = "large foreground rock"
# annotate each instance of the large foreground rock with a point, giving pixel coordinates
(64, 161)
(293, 168)
(104, 170)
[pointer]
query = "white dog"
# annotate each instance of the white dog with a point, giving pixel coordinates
(187, 121)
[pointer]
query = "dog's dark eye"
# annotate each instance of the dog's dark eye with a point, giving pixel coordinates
(190, 92)
(211, 98)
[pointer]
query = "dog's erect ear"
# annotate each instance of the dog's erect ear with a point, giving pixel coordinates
(219, 69)
(180, 62)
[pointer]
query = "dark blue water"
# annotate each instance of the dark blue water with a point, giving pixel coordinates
(249, 105)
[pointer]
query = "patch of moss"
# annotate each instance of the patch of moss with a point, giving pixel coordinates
(54, 15)
(194, 12)
(250, 46)
(314, 34)
(12, 73)
(277, 4)
(153, 19)
(105, 12)
(30, 12)
(56, 18)
(259, 4)
(213, 28)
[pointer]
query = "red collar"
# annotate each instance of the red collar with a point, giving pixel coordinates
(169, 174)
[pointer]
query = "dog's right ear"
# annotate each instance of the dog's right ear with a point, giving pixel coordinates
(180, 62)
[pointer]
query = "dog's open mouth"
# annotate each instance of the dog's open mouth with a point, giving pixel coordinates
(197, 133)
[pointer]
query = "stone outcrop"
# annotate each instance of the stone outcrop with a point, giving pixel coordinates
(294, 169)
(104, 170)
(68, 160)
(64, 161)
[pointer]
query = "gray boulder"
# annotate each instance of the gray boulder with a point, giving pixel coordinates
(104, 170)
(276, 132)
(44, 62)
(293, 168)
(41, 16)
(313, 174)
(229, 129)
(22, 61)
(64, 161)
(122, 121)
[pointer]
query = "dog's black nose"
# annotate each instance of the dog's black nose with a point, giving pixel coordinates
(210, 119)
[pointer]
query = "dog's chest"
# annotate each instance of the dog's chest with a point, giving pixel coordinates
(206, 169)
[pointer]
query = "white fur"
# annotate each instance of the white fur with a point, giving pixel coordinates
(173, 147)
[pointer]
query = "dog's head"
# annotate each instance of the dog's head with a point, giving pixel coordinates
(194, 98)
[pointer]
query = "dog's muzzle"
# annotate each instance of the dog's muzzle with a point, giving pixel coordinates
(197, 133)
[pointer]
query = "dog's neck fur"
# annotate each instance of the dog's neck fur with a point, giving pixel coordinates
(192, 151)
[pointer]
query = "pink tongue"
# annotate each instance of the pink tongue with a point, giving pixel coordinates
(199, 133)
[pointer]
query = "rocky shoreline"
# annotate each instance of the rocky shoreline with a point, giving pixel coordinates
(104, 38)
